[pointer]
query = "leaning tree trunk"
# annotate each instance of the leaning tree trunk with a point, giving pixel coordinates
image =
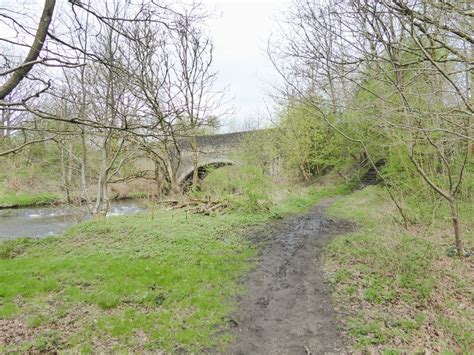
(33, 54)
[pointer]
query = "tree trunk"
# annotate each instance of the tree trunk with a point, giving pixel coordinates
(69, 172)
(158, 179)
(306, 176)
(455, 220)
(173, 181)
(65, 165)
(33, 53)
(162, 181)
(84, 192)
(102, 200)
(2, 123)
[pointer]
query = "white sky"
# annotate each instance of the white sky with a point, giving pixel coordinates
(240, 30)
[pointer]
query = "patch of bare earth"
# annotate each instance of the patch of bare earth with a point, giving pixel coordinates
(287, 308)
(18, 332)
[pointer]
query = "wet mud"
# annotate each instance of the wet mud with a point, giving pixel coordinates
(287, 308)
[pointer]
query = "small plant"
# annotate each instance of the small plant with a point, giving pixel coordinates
(12, 248)
(7, 250)
(48, 341)
(8, 310)
(37, 320)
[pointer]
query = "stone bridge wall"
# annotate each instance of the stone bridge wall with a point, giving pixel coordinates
(214, 149)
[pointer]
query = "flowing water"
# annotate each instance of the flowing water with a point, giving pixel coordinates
(37, 222)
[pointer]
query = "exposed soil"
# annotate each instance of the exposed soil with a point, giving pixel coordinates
(287, 308)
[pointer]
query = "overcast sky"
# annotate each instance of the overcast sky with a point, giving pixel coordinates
(240, 30)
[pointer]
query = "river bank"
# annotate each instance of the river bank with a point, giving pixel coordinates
(17, 200)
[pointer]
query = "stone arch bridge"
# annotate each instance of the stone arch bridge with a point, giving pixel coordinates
(213, 151)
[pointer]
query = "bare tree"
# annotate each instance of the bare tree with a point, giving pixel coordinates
(104, 101)
(195, 84)
(173, 77)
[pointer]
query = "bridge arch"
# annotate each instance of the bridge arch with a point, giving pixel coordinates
(187, 174)
(212, 150)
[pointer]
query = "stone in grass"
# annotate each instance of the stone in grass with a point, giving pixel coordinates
(452, 251)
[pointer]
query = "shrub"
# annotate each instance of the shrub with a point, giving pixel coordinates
(246, 187)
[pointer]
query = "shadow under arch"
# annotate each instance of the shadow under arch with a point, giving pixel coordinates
(186, 178)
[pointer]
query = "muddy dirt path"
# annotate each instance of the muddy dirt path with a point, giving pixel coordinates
(287, 308)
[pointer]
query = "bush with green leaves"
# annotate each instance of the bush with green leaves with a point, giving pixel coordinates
(310, 147)
(245, 187)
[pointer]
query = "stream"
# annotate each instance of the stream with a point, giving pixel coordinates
(37, 222)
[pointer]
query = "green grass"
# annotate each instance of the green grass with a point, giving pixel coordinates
(11, 199)
(399, 286)
(138, 194)
(162, 280)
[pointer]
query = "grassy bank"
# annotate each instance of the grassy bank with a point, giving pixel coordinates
(400, 289)
(163, 280)
(11, 199)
